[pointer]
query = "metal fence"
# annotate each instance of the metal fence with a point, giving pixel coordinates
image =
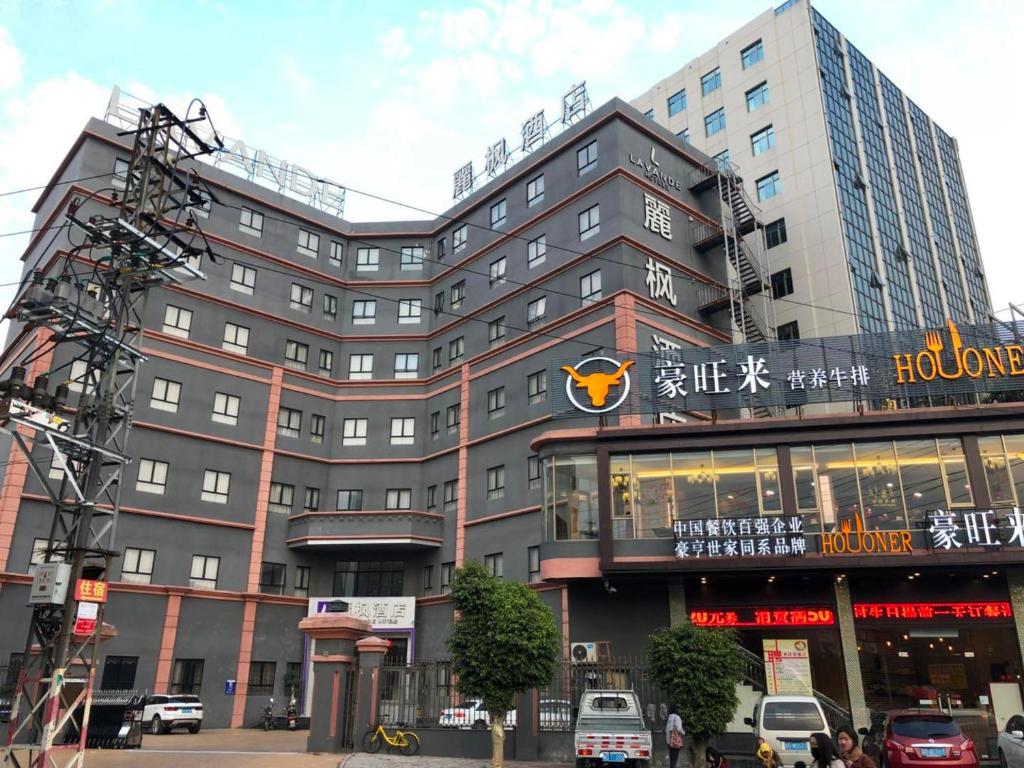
(416, 694)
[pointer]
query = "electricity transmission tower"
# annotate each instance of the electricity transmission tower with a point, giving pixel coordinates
(92, 302)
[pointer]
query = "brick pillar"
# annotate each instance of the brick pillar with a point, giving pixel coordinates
(1015, 583)
(371, 652)
(851, 659)
(677, 613)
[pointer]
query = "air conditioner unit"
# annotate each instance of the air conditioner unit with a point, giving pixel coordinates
(582, 653)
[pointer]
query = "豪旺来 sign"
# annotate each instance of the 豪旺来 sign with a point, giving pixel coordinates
(787, 666)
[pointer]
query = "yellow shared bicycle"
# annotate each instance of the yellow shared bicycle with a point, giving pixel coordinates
(406, 742)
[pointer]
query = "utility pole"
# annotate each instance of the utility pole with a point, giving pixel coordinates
(92, 301)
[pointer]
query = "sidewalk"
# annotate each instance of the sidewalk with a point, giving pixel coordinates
(363, 760)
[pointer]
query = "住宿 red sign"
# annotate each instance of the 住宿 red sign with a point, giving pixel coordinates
(91, 591)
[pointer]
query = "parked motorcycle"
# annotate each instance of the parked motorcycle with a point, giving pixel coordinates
(293, 714)
(267, 719)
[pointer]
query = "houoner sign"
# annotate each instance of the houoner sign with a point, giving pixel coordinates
(854, 540)
(991, 362)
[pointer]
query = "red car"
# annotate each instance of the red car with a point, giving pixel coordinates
(924, 738)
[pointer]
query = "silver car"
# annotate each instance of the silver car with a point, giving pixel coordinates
(1011, 743)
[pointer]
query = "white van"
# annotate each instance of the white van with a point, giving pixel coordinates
(786, 723)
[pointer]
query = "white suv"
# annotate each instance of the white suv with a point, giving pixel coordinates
(163, 712)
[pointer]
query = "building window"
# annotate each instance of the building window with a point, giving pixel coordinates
(496, 330)
(309, 243)
(289, 422)
(428, 580)
(446, 577)
(236, 338)
(537, 387)
(177, 321)
(296, 354)
(407, 365)
(536, 252)
(497, 271)
(326, 362)
(495, 564)
(187, 677)
(403, 430)
(535, 310)
(360, 366)
(77, 377)
(496, 403)
(431, 498)
(204, 572)
(119, 673)
(533, 475)
(453, 417)
(364, 312)
(311, 500)
(752, 54)
(353, 432)
(762, 141)
(533, 564)
(714, 122)
(757, 97)
(301, 588)
(410, 310)
(712, 81)
(330, 307)
(768, 186)
(317, 424)
(215, 486)
(152, 476)
(243, 279)
(137, 565)
(459, 238)
(398, 498)
(369, 578)
(38, 554)
(456, 349)
(451, 496)
(350, 500)
(412, 257)
(272, 581)
(367, 259)
(782, 283)
(435, 424)
(301, 298)
(775, 233)
(722, 160)
(435, 358)
(225, 408)
(261, 673)
(337, 252)
(166, 395)
(458, 294)
(119, 180)
(676, 103)
(440, 249)
(495, 482)
(200, 203)
(438, 303)
(649, 114)
(535, 190)
(788, 331)
(498, 213)
(590, 222)
(684, 135)
(586, 158)
(251, 222)
(590, 287)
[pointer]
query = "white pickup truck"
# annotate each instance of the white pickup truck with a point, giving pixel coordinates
(610, 731)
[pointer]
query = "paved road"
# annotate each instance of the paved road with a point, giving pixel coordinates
(362, 760)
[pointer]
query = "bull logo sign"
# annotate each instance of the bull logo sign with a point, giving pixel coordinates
(594, 390)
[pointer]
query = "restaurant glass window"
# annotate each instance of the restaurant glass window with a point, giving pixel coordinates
(624, 492)
(571, 511)
(920, 478)
(1015, 456)
(693, 480)
(735, 483)
(836, 482)
(767, 460)
(802, 459)
(954, 466)
(881, 499)
(653, 508)
(997, 470)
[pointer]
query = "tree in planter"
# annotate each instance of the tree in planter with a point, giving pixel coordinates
(698, 669)
(504, 640)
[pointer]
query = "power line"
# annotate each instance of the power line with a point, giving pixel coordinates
(53, 184)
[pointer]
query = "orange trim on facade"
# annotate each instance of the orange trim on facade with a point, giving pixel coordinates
(244, 658)
(163, 665)
(463, 495)
(684, 320)
(364, 512)
(337, 658)
(263, 484)
(565, 621)
(502, 516)
(155, 513)
(563, 434)
(510, 430)
(370, 536)
(570, 568)
(323, 460)
(197, 435)
(625, 340)
(194, 363)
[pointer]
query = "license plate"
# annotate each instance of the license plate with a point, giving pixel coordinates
(614, 757)
(186, 710)
(933, 752)
(798, 746)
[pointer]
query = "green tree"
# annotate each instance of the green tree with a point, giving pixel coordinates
(504, 640)
(698, 669)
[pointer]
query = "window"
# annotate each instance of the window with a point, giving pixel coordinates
(337, 252)
(364, 312)
(435, 358)
(788, 331)
(296, 354)
(38, 553)
(495, 564)
(451, 496)
(533, 564)
(459, 238)
(768, 186)
(200, 203)
(712, 81)
(350, 500)
(775, 233)
(456, 349)
(369, 578)
(495, 482)
(251, 222)
(410, 310)
(752, 54)
(533, 470)
(537, 387)
(438, 303)
(225, 408)
(289, 422)
(317, 424)
(137, 565)
(649, 114)
(330, 307)
(215, 486)
(536, 252)
(152, 476)
(119, 673)
(177, 321)
(496, 330)
(431, 498)
(590, 222)
(204, 572)
(367, 259)
(535, 310)
(77, 377)
(757, 97)
(590, 287)
(453, 417)
(261, 673)
(676, 102)
(435, 424)
(309, 243)
(282, 497)
(301, 298)
(407, 365)
(722, 160)
(398, 498)
(535, 190)
(586, 158)
(498, 213)
(353, 432)
(271, 583)
(496, 403)
(187, 677)
(243, 279)
(166, 394)
(440, 249)
(360, 366)
(714, 122)
(428, 580)
(326, 363)
(412, 257)
(684, 135)
(458, 294)
(497, 271)
(446, 577)
(311, 500)
(301, 588)
(120, 177)
(762, 141)
(236, 338)
(782, 283)
(403, 430)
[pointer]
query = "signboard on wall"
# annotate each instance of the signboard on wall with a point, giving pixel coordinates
(740, 537)
(383, 613)
(764, 616)
(787, 667)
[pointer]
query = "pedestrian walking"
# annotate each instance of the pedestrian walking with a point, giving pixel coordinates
(824, 752)
(849, 748)
(766, 757)
(674, 734)
(714, 759)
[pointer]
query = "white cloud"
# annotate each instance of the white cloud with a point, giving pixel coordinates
(665, 33)
(10, 61)
(294, 77)
(394, 44)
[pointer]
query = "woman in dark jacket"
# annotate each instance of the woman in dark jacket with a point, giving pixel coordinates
(714, 759)
(824, 752)
(849, 748)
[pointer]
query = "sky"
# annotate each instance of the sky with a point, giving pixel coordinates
(390, 98)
